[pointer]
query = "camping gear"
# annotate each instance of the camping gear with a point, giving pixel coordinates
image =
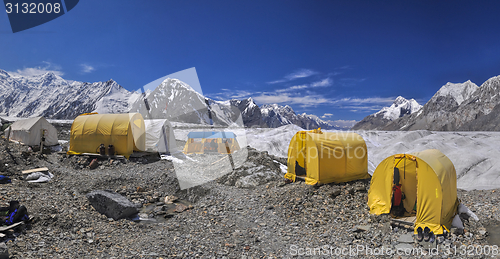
(31, 131)
(14, 213)
(429, 180)
(93, 164)
(327, 157)
(4, 179)
(111, 150)
(39, 177)
(220, 142)
(159, 136)
(420, 235)
(102, 150)
(126, 132)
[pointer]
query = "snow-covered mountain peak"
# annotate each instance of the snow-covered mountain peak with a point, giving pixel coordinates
(491, 83)
(459, 92)
(4, 74)
(399, 108)
(175, 84)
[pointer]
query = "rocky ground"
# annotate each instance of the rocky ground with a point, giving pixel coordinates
(226, 218)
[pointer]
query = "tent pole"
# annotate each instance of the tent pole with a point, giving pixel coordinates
(42, 140)
(8, 135)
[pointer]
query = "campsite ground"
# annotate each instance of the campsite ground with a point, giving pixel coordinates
(272, 219)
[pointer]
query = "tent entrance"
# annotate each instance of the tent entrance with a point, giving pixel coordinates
(301, 163)
(406, 167)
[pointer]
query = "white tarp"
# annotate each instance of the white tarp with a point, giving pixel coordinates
(29, 132)
(159, 136)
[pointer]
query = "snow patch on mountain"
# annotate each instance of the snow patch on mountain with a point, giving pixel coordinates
(399, 108)
(459, 92)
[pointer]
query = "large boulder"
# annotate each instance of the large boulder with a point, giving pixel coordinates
(111, 204)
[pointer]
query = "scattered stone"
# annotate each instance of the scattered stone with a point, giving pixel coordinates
(170, 199)
(111, 204)
(405, 238)
(360, 228)
(179, 207)
(360, 188)
(403, 247)
(4, 251)
(335, 192)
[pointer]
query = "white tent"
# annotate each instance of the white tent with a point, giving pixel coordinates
(159, 136)
(29, 131)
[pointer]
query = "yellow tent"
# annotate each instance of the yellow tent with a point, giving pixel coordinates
(327, 157)
(126, 132)
(427, 178)
(201, 142)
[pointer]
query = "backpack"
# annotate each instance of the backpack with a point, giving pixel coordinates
(16, 213)
(4, 179)
(397, 195)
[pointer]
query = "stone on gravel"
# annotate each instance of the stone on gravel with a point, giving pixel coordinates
(335, 192)
(405, 238)
(4, 252)
(360, 228)
(111, 204)
(403, 247)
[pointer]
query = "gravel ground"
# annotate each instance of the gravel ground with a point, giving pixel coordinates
(221, 219)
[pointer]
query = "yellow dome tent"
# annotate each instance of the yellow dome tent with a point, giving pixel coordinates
(327, 157)
(126, 132)
(427, 178)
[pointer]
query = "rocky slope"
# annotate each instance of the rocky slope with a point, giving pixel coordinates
(221, 219)
(451, 107)
(400, 108)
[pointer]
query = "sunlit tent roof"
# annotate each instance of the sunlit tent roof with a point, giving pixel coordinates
(29, 131)
(126, 132)
(427, 178)
(326, 157)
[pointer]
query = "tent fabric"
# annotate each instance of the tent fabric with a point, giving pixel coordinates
(209, 134)
(327, 157)
(220, 142)
(428, 178)
(29, 132)
(159, 136)
(126, 132)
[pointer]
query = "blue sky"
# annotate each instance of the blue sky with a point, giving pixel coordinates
(341, 60)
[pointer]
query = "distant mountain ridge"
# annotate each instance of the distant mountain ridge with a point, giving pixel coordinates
(448, 110)
(454, 107)
(400, 107)
(53, 97)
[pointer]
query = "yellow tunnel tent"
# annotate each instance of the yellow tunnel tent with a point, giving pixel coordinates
(429, 183)
(126, 132)
(326, 157)
(209, 141)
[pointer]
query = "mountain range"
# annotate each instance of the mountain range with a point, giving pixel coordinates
(53, 97)
(400, 108)
(454, 107)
